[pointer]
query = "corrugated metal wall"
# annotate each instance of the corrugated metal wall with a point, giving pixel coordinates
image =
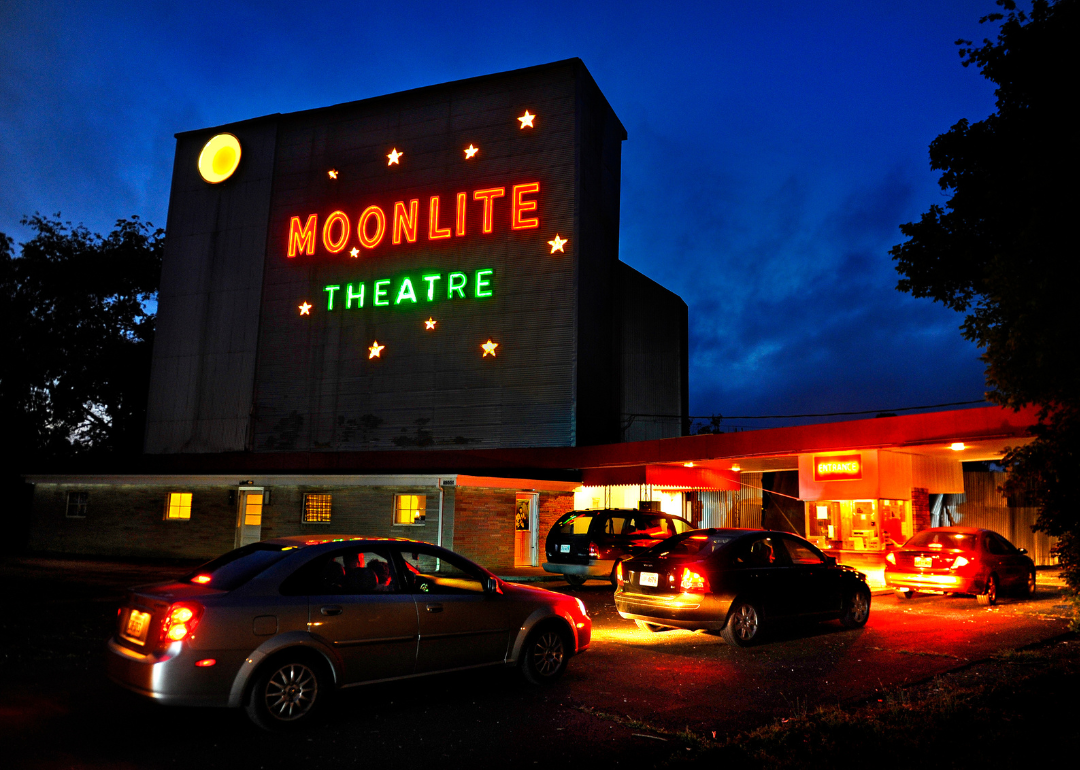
(733, 509)
(986, 507)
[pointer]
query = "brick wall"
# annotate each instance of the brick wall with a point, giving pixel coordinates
(484, 523)
(920, 508)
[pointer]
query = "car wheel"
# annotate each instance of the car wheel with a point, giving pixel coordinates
(614, 578)
(856, 609)
(288, 693)
(544, 656)
(575, 580)
(743, 626)
(652, 628)
(903, 593)
(989, 596)
(1029, 585)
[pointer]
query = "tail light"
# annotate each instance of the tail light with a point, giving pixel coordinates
(891, 558)
(692, 582)
(960, 561)
(618, 573)
(594, 552)
(180, 621)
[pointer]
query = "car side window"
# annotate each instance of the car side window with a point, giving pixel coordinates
(680, 526)
(347, 572)
(652, 526)
(617, 525)
(997, 546)
(428, 571)
(800, 553)
(758, 552)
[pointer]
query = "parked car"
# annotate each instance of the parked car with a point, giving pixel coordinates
(738, 582)
(275, 626)
(589, 544)
(961, 560)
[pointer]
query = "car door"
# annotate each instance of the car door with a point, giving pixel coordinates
(1011, 566)
(815, 587)
(760, 570)
(358, 604)
(460, 623)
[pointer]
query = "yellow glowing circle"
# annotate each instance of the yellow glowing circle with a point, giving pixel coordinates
(219, 158)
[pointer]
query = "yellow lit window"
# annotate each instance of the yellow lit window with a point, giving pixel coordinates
(253, 503)
(316, 508)
(179, 506)
(410, 509)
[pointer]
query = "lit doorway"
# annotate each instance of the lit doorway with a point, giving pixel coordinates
(249, 516)
(526, 530)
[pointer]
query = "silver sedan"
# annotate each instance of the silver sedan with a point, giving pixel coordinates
(274, 626)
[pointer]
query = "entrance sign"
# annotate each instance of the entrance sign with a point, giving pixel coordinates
(838, 467)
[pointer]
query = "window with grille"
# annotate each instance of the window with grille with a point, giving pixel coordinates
(178, 506)
(76, 504)
(410, 510)
(316, 508)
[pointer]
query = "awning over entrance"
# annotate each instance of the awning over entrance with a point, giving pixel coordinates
(672, 476)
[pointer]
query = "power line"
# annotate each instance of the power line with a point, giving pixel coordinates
(821, 414)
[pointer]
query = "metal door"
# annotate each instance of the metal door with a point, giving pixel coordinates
(249, 516)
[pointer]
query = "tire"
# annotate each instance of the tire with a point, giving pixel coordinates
(1028, 589)
(988, 598)
(903, 593)
(614, 579)
(652, 628)
(743, 627)
(288, 693)
(545, 654)
(856, 609)
(577, 581)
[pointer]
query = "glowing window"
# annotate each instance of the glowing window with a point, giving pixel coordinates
(253, 505)
(76, 504)
(410, 510)
(316, 509)
(179, 506)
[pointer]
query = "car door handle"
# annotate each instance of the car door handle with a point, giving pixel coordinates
(434, 607)
(331, 609)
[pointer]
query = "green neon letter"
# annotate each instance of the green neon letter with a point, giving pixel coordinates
(379, 299)
(350, 295)
(483, 285)
(330, 300)
(405, 292)
(456, 283)
(431, 279)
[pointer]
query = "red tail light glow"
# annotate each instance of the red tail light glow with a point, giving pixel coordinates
(594, 552)
(618, 573)
(960, 562)
(205, 662)
(201, 579)
(890, 558)
(181, 621)
(692, 582)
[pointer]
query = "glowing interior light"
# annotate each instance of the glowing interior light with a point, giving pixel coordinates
(429, 324)
(205, 662)
(957, 446)
(470, 151)
(557, 244)
(219, 158)
(332, 173)
(201, 579)
(305, 309)
(688, 465)
(526, 120)
(735, 467)
(394, 157)
(375, 351)
(489, 348)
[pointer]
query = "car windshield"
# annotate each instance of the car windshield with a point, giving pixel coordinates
(698, 544)
(576, 523)
(237, 567)
(953, 541)
(653, 526)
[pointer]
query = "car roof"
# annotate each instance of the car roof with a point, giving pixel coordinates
(957, 530)
(302, 540)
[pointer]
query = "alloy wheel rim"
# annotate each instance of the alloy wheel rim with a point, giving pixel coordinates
(991, 589)
(746, 622)
(547, 653)
(860, 607)
(290, 692)
(1031, 583)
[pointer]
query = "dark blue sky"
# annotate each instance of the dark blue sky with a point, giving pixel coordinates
(773, 150)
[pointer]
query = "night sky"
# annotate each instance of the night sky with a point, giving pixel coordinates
(774, 149)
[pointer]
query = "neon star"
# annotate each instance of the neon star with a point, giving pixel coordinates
(526, 120)
(489, 348)
(305, 309)
(394, 156)
(375, 350)
(354, 252)
(429, 324)
(557, 244)
(470, 151)
(332, 173)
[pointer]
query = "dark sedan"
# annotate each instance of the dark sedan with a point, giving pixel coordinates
(737, 582)
(960, 560)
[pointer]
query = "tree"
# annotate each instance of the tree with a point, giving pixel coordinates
(76, 342)
(1002, 248)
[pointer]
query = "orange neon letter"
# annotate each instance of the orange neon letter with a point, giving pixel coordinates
(488, 196)
(343, 234)
(460, 224)
(434, 232)
(405, 221)
(376, 213)
(519, 206)
(302, 240)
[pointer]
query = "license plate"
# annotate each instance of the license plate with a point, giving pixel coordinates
(649, 579)
(924, 561)
(137, 626)
(564, 548)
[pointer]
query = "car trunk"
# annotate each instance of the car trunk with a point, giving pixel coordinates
(929, 558)
(655, 576)
(568, 549)
(140, 619)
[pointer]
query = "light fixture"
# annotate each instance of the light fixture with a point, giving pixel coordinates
(957, 446)
(219, 158)
(394, 157)
(429, 324)
(688, 465)
(557, 244)
(305, 309)
(489, 348)
(332, 173)
(375, 350)
(735, 467)
(354, 252)
(526, 120)
(470, 151)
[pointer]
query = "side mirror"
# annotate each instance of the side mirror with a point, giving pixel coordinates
(1023, 550)
(830, 560)
(491, 586)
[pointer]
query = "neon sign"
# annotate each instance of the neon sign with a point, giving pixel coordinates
(838, 468)
(402, 221)
(430, 287)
